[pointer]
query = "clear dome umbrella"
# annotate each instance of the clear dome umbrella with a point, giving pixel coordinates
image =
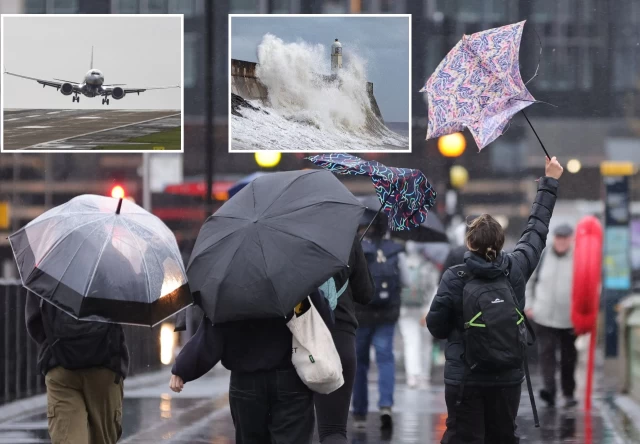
(103, 259)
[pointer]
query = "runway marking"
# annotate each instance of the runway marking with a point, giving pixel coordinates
(54, 112)
(15, 118)
(99, 131)
(35, 127)
(35, 115)
(88, 117)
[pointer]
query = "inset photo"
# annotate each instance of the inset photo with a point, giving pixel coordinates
(89, 83)
(320, 83)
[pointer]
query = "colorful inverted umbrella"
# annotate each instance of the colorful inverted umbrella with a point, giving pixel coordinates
(405, 194)
(478, 86)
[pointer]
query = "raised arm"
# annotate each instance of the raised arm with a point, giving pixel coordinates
(528, 250)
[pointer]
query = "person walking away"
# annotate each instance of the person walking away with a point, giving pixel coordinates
(332, 410)
(85, 364)
(377, 323)
(421, 278)
(269, 402)
(549, 305)
(482, 387)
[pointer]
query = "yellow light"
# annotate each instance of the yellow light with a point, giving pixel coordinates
(167, 342)
(268, 159)
(452, 145)
(617, 169)
(573, 166)
(117, 192)
(459, 176)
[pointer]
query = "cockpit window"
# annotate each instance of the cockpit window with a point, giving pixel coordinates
(96, 73)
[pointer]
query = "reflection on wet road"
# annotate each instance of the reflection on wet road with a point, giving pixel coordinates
(200, 414)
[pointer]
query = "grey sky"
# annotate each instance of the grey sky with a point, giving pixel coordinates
(382, 41)
(138, 51)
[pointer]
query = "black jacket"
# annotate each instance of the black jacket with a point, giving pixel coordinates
(46, 360)
(455, 257)
(360, 289)
(246, 346)
(445, 317)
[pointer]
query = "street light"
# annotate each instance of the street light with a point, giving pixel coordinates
(452, 145)
(458, 176)
(574, 166)
(117, 192)
(268, 159)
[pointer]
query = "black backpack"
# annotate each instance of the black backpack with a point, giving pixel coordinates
(77, 344)
(383, 261)
(496, 330)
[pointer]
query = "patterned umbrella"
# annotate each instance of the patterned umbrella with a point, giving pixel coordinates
(405, 194)
(478, 86)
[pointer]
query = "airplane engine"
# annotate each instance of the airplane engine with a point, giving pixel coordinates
(66, 89)
(117, 93)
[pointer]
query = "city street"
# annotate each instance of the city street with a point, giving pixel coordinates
(200, 414)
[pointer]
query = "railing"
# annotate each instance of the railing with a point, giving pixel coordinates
(19, 353)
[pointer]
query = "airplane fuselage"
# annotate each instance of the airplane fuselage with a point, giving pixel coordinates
(93, 81)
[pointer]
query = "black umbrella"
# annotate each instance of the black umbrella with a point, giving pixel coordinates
(432, 230)
(270, 245)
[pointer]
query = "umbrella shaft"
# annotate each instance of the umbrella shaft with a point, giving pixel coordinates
(374, 217)
(534, 132)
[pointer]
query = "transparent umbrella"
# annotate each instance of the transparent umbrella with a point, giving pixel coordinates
(103, 259)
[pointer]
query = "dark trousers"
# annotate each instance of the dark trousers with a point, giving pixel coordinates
(549, 340)
(332, 410)
(271, 408)
(487, 415)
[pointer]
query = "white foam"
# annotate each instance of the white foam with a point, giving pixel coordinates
(308, 112)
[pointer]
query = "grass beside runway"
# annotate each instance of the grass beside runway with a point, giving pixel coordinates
(160, 141)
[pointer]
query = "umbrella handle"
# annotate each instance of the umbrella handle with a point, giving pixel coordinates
(374, 217)
(534, 132)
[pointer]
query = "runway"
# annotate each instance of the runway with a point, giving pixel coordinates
(68, 129)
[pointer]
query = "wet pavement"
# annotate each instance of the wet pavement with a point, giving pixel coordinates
(200, 414)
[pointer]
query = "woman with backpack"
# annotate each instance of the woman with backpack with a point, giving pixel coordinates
(479, 309)
(351, 286)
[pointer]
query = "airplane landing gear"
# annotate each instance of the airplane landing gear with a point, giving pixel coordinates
(75, 99)
(105, 101)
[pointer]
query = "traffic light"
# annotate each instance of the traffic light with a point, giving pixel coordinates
(117, 192)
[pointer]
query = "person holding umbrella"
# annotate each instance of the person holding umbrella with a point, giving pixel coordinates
(483, 386)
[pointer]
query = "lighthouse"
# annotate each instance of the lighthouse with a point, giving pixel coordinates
(336, 56)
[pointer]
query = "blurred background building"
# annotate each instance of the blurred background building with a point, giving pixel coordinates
(590, 69)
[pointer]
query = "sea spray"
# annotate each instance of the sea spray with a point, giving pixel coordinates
(308, 109)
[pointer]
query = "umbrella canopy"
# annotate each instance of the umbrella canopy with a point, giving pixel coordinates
(430, 231)
(406, 193)
(273, 243)
(478, 86)
(233, 190)
(100, 259)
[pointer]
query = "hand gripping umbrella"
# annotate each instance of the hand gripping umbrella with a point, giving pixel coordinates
(478, 86)
(404, 193)
(279, 238)
(102, 259)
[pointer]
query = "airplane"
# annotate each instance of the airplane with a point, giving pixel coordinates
(92, 86)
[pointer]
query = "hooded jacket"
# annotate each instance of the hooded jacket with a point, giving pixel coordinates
(445, 319)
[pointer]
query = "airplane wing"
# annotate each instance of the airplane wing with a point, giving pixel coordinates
(108, 91)
(53, 84)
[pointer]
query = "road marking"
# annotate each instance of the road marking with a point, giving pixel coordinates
(88, 117)
(35, 127)
(35, 115)
(96, 132)
(10, 120)
(54, 112)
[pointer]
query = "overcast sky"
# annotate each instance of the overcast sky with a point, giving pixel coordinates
(138, 51)
(382, 41)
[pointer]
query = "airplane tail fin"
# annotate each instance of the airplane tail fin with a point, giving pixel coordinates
(91, 67)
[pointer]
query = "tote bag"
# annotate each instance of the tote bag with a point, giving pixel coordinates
(314, 354)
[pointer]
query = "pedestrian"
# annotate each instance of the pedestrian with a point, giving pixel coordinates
(332, 410)
(85, 364)
(483, 399)
(549, 305)
(269, 402)
(377, 324)
(421, 277)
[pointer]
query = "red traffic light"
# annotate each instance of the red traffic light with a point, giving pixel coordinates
(117, 192)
